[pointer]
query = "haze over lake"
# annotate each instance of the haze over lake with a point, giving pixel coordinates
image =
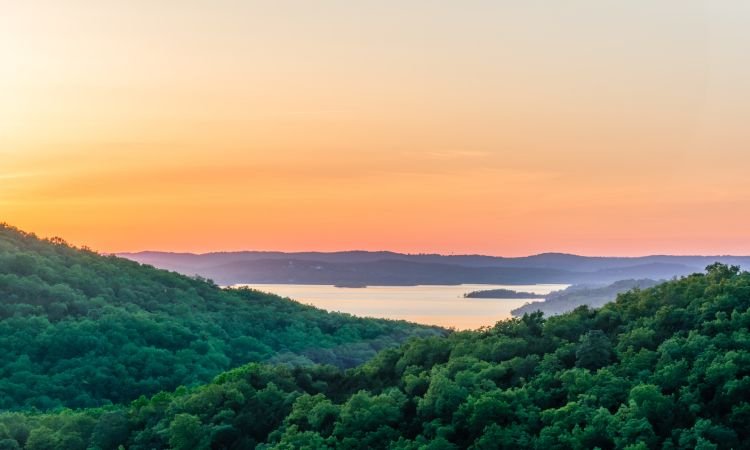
(432, 305)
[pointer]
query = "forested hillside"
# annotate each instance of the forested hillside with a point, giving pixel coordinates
(666, 367)
(79, 329)
(568, 299)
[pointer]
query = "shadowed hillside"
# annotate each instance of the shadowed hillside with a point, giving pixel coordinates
(578, 295)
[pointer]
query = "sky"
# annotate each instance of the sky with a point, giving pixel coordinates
(495, 127)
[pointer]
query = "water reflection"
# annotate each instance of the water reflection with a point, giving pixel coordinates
(431, 305)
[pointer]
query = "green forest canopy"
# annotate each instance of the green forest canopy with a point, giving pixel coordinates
(666, 367)
(80, 329)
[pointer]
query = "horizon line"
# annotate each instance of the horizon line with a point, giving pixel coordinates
(330, 252)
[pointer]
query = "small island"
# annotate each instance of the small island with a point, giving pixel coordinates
(352, 285)
(503, 294)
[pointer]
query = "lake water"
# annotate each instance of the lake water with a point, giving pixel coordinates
(430, 305)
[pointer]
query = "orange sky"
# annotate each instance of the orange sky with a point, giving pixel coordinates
(491, 127)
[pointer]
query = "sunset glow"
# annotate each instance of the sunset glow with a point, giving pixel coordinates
(504, 128)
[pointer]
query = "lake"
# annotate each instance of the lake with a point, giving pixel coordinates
(430, 305)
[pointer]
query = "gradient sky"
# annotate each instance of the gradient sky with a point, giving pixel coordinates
(496, 127)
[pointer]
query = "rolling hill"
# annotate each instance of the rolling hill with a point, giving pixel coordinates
(81, 329)
(389, 268)
(666, 368)
(578, 295)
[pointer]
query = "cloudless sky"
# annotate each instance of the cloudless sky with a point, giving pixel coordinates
(497, 127)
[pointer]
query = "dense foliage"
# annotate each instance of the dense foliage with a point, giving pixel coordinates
(79, 329)
(572, 297)
(667, 367)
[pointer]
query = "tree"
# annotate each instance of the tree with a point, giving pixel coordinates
(42, 438)
(187, 433)
(594, 350)
(9, 444)
(111, 430)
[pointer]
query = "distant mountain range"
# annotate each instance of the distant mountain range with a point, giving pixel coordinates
(389, 268)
